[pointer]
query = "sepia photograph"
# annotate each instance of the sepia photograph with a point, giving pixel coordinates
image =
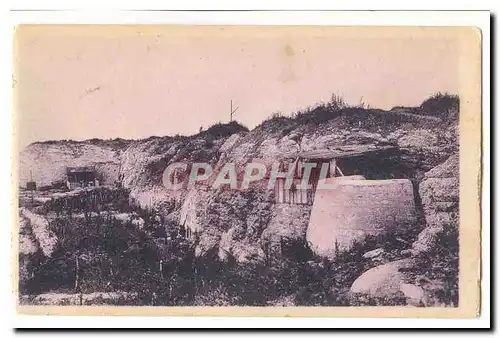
(247, 169)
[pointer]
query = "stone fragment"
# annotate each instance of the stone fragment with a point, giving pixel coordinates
(373, 253)
(382, 281)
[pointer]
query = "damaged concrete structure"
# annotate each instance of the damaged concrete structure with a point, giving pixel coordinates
(353, 207)
(357, 208)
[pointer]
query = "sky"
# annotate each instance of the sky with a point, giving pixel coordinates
(79, 82)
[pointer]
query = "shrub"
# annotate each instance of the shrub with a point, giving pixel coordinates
(219, 130)
(276, 122)
(336, 102)
(441, 105)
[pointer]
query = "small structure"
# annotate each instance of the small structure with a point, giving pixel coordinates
(31, 185)
(80, 177)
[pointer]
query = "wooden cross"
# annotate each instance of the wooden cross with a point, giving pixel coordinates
(232, 111)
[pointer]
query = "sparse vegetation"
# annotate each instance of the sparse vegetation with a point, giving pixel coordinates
(115, 143)
(219, 130)
(118, 256)
(441, 105)
(441, 264)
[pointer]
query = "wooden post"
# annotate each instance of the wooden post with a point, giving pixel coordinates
(281, 247)
(77, 273)
(32, 191)
(333, 166)
(340, 171)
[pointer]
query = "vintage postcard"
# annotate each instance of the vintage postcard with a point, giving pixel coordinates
(247, 170)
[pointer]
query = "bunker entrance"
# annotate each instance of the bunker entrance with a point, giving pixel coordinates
(370, 162)
(374, 192)
(376, 167)
(79, 177)
(384, 166)
(373, 163)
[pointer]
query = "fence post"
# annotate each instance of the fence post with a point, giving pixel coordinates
(77, 273)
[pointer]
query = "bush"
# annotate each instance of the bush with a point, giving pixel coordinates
(277, 122)
(441, 105)
(219, 130)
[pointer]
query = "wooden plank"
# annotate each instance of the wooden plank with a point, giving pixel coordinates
(340, 171)
(332, 167)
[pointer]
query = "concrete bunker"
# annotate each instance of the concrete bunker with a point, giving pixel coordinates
(370, 193)
(356, 208)
(360, 162)
(80, 177)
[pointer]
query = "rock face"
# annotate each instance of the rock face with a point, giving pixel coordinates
(47, 162)
(287, 221)
(232, 219)
(439, 192)
(40, 227)
(27, 241)
(28, 246)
